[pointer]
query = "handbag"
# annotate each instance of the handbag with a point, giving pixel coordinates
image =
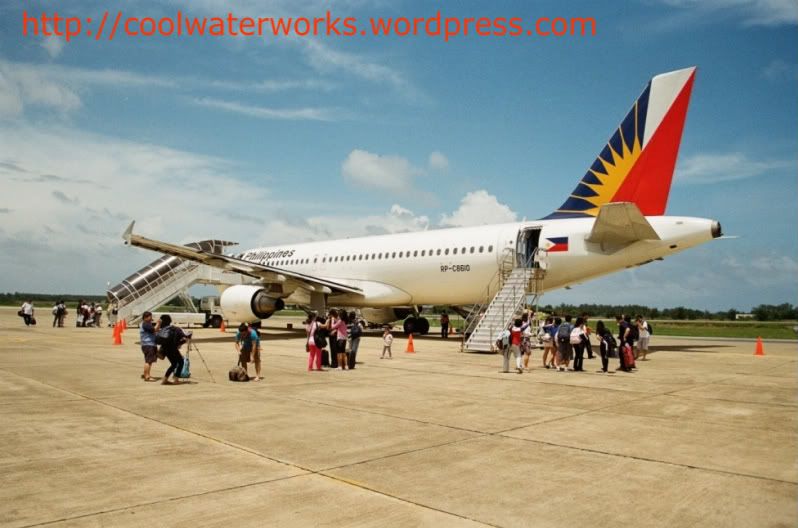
(238, 373)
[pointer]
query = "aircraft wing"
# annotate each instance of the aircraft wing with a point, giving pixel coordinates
(621, 223)
(267, 274)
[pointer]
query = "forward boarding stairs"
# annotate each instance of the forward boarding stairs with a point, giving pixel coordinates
(165, 278)
(515, 285)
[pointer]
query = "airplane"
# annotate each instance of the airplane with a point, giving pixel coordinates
(613, 220)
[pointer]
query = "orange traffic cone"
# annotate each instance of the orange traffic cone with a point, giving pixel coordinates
(222, 328)
(760, 350)
(117, 334)
(124, 324)
(410, 349)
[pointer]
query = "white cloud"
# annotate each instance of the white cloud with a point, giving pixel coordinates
(779, 69)
(23, 86)
(392, 173)
(438, 162)
(58, 87)
(327, 60)
(479, 208)
(752, 12)
(53, 46)
(100, 180)
(262, 112)
(713, 168)
(326, 227)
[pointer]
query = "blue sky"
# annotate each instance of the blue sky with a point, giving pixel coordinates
(275, 140)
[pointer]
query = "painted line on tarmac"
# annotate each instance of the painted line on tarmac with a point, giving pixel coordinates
(233, 446)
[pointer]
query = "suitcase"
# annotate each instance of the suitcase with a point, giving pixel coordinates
(628, 357)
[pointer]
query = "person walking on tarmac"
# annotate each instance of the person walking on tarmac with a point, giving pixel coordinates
(445, 325)
(170, 338)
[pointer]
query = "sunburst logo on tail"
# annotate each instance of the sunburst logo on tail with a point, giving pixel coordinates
(602, 181)
(637, 163)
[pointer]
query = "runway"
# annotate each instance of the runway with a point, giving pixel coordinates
(704, 434)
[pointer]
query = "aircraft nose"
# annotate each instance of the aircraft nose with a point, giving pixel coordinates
(716, 229)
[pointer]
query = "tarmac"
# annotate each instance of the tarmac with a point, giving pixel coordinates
(703, 434)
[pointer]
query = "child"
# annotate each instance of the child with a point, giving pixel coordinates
(387, 341)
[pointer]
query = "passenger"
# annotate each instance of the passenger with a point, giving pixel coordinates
(516, 335)
(98, 315)
(564, 350)
(338, 335)
(314, 352)
(578, 339)
(171, 338)
(387, 341)
(90, 320)
(113, 310)
(444, 325)
(622, 331)
(256, 351)
(86, 314)
(548, 341)
(245, 344)
(148, 348)
(503, 345)
(79, 313)
(59, 312)
(644, 334)
(588, 331)
(355, 331)
(26, 311)
(607, 346)
(555, 362)
(526, 343)
(332, 316)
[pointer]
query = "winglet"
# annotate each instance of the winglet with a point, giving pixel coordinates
(128, 232)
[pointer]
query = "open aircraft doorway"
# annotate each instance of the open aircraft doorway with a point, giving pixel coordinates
(526, 248)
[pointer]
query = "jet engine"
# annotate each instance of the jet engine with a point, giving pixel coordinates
(248, 304)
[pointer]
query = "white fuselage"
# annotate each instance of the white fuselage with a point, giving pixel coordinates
(459, 265)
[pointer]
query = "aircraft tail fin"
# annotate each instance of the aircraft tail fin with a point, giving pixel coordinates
(637, 163)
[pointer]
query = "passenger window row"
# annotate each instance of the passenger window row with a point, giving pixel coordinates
(384, 256)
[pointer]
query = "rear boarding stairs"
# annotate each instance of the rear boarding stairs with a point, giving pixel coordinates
(517, 278)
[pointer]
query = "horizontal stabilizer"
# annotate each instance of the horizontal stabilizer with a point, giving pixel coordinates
(621, 223)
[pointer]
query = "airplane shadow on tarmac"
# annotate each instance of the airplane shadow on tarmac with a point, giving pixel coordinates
(713, 349)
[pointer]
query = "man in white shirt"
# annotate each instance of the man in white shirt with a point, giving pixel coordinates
(27, 312)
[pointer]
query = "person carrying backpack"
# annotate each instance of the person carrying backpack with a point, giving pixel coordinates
(315, 338)
(564, 349)
(170, 338)
(607, 346)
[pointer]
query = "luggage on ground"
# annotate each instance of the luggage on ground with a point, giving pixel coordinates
(185, 372)
(238, 373)
(628, 356)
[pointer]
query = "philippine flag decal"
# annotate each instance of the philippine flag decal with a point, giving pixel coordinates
(558, 244)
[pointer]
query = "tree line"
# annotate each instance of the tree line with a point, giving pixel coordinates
(762, 312)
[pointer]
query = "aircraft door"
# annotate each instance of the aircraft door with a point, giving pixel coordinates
(527, 245)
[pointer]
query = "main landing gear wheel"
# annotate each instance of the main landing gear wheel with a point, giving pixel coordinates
(422, 325)
(416, 325)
